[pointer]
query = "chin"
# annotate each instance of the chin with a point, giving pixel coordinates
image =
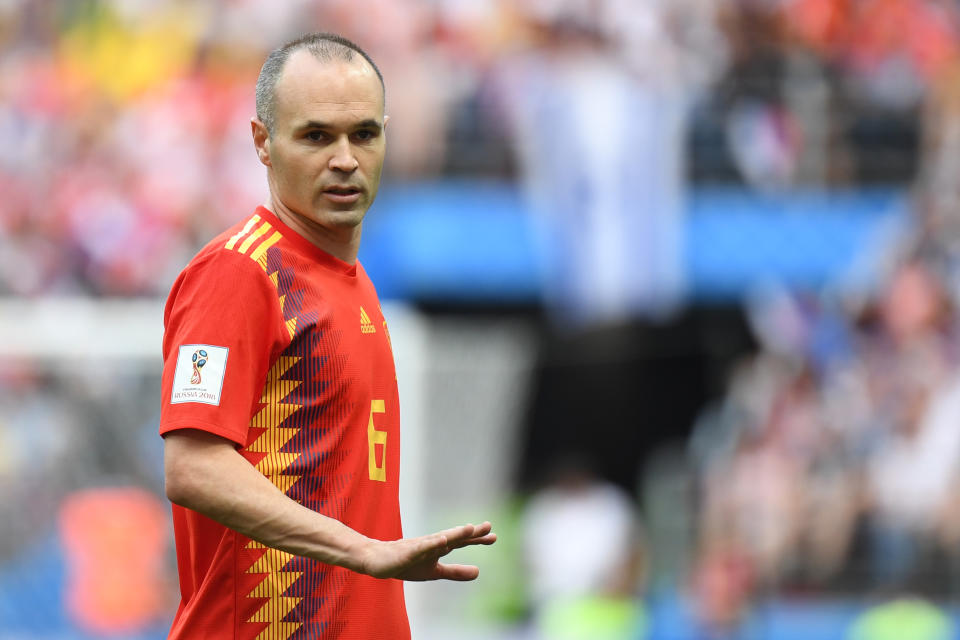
(348, 218)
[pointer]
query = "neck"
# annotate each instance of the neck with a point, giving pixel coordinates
(342, 243)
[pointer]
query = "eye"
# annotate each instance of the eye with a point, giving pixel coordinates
(316, 136)
(365, 135)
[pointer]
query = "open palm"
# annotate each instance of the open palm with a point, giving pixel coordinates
(418, 559)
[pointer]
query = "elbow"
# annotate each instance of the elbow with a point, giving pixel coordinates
(176, 486)
(194, 467)
(177, 480)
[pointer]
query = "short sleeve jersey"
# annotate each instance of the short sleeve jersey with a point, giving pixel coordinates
(283, 349)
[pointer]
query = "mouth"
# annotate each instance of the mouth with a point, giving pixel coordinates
(342, 194)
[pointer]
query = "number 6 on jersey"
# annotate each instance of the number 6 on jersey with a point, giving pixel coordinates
(374, 438)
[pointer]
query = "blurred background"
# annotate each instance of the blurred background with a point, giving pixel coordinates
(672, 286)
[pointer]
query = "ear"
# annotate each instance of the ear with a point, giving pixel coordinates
(386, 119)
(261, 139)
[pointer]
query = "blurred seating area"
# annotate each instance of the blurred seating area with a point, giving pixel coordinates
(830, 465)
(125, 129)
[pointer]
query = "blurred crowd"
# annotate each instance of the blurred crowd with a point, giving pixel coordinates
(833, 461)
(126, 144)
(831, 464)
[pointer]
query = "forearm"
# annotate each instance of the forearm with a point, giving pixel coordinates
(220, 484)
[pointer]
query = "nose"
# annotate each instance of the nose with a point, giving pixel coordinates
(343, 158)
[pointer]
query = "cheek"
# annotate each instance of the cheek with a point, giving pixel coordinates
(296, 170)
(374, 165)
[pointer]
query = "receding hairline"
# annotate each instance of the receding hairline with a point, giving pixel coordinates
(357, 62)
(323, 47)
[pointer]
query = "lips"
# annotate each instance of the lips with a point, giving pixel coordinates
(344, 190)
(342, 194)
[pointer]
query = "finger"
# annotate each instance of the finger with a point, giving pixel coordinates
(456, 534)
(435, 544)
(465, 532)
(488, 539)
(457, 572)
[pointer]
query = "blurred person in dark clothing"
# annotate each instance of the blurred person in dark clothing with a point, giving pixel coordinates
(599, 131)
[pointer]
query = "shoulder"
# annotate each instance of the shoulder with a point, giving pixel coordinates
(232, 253)
(363, 279)
(231, 267)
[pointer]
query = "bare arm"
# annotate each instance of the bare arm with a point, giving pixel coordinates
(205, 473)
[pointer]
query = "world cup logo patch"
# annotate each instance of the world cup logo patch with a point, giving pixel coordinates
(198, 376)
(199, 359)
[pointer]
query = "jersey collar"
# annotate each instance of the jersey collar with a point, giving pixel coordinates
(322, 257)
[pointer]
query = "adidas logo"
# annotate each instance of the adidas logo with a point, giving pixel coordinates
(366, 326)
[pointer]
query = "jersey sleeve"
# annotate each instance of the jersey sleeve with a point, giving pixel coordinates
(223, 328)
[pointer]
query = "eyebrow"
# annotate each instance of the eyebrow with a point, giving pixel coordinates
(369, 123)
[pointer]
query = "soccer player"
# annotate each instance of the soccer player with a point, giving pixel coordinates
(280, 409)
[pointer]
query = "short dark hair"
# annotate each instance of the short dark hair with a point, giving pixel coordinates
(323, 46)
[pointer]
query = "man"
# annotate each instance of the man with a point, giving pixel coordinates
(280, 406)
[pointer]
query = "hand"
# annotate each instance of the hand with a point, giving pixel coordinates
(419, 558)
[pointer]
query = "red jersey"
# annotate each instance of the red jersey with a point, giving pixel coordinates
(283, 349)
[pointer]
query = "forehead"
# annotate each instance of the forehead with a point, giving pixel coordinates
(309, 88)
